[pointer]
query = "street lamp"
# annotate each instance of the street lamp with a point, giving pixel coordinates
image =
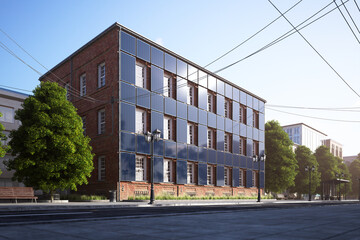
(151, 137)
(309, 169)
(339, 176)
(259, 159)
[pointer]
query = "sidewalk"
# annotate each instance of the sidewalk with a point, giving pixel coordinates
(158, 203)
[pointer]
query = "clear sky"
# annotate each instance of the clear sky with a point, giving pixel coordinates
(287, 73)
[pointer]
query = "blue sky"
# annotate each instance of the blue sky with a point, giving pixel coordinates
(288, 73)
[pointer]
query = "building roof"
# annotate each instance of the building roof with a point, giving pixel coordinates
(121, 27)
(296, 124)
(7, 93)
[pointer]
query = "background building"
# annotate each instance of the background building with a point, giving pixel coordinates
(124, 85)
(336, 148)
(10, 101)
(302, 134)
(349, 159)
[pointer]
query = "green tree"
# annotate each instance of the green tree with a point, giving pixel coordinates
(49, 148)
(343, 169)
(354, 170)
(280, 164)
(327, 164)
(305, 157)
(3, 148)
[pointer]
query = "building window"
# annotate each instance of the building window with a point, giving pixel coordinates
(256, 119)
(190, 96)
(242, 114)
(211, 102)
(83, 85)
(254, 178)
(140, 121)
(227, 107)
(241, 177)
(243, 146)
(210, 175)
(168, 165)
(101, 168)
(84, 124)
(140, 75)
(7, 114)
(190, 173)
(228, 142)
(168, 86)
(255, 148)
(101, 121)
(67, 88)
(101, 75)
(140, 168)
(190, 133)
(211, 138)
(227, 176)
(168, 128)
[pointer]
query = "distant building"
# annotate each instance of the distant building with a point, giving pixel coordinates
(10, 101)
(349, 159)
(336, 148)
(302, 134)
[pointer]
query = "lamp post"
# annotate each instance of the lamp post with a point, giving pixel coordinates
(151, 137)
(259, 159)
(309, 169)
(339, 176)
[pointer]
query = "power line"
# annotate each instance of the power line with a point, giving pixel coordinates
(315, 50)
(350, 17)
(15, 88)
(347, 109)
(251, 36)
(319, 118)
(357, 5)
(346, 22)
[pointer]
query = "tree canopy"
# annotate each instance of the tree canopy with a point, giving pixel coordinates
(355, 175)
(280, 164)
(327, 163)
(49, 148)
(304, 158)
(3, 148)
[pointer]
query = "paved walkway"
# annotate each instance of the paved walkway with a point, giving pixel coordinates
(315, 221)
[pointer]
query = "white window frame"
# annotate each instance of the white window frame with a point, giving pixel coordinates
(168, 128)
(101, 75)
(190, 133)
(210, 175)
(190, 173)
(140, 168)
(190, 94)
(168, 86)
(101, 168)
(101, 121)
(168, 168)
(227, 176)
(227, 108)
(210, 138)
(140, 124)
(83, 85)
(241, 177)
(210, 102)
(140, 81)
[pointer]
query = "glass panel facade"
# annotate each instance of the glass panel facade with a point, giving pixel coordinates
(220, 123)
(181, 68)
(228, 91)
(219, 175)
(127, 93)
(170, 149)
(181, 172)
(170, 63)
(220, 140)
(181, 135)
(143, 98)
(192, 74)
(181, 151)
(127, 166)
(220, 158)
(158, 169)
(202, 173)
(157, 122)
(142, 145)
(202, 93)
(192, 114)
(181, 90)
(157, 79)
(203, 81)
(181, 110)
(193, 153)
(211, 156)
(170, 106)
(127, 117)
(157, 102)
(128, 43)
(220, 85)
(211, 120)
(157, 57)
(236, 94)
(127, 68)
(220, 101)
(143, 50)
(243, 98)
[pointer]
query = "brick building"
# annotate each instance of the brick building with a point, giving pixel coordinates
(124, 85)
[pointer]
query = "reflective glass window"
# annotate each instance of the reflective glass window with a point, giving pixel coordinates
(182, 110)
(157, 102)
(243, 130)
(228, 91)
(249, 132)
(203, 79)
(202, 154)
(181, 68)
(228, 159)
(256, 104)
(261, 121)
(220, 100)
(249, 147)
(202, 172)
(220, 140)
(220, 157)
(212, 83)
(220, 86)
(127, 117)
(235, 111)
(181, 90)
(157, 79)
(249, 116)
(181, 151)
(202, 135)
(211, 120)
(202, 95)
(236, 128)
(170, 149)
(261, 106)
(143, 97)
(193, 153)
(236, 160)
(170, 106)
(243, 98)
(142, 145)
(255, 134)
(228, 125)
(128, 43)
(202, 117)
(219, 175)
(235, 177)
(249, 101)
(236, 94)
(192, 114)
(143, 50)
(127, 93)
(157, 57)
(211, 156)
(193, 74)
(159, 148)
(158, 169)
(157, 122)
(181, 172)
(127, 68)
(170, 63)
(236, 144)
(181, 135)
(127, 166)
(243, 161)
(220, 123)
(127, 142)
